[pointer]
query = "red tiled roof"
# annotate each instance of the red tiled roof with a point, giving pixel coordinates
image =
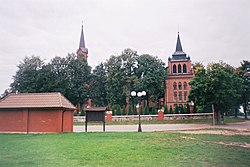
(35, 100)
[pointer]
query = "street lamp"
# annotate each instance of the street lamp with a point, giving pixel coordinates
(139, 95)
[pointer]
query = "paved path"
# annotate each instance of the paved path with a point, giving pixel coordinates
(162, 127)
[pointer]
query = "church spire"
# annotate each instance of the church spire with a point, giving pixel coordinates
(178, 44)
(179, 54)
(82, 42)
(82, 51)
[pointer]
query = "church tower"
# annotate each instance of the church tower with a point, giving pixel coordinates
(179, 75)
(82, 52)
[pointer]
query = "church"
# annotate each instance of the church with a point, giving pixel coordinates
(180, 73)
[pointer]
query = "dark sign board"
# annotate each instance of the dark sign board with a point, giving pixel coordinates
(95, 114)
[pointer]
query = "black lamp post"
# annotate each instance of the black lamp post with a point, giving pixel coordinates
(139, 95)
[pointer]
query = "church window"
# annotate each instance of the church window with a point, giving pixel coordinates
(185, 96)
(179, 86)
(174, 68)
(175, 96)
(185, 85)
(180, 96)
(179, 68)
(175, 85)
(184, 68)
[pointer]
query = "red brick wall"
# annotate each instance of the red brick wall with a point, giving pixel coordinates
(45, 121)
(178, 77)
(36, 121)
(68, 121)
(13, 121)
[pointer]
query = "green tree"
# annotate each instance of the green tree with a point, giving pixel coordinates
(25, 80)
(98, 91)
(154, 76)
(244, 73)
(219, 85)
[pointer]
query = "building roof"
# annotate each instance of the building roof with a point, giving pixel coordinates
(35, 100)
(82, 42)
(179, 54)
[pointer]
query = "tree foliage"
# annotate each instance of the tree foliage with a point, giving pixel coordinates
(219, 85)
(244, 73)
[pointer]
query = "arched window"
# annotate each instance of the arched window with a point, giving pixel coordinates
(180, 96)
(175, 96)
(179, 86)
(174, 68)
(185, 96)
(175, 86)
(184, 68)
(179, 68)
(185, 85)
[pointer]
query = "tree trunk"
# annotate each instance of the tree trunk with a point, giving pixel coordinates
(217, 117)
(245, 110)
(235, 112)
(222, 118)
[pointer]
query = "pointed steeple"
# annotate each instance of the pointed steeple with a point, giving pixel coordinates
(179, 54)
(178, 44)
(82, 42)
(82, 51)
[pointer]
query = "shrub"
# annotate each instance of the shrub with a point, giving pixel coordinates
(166, 110)
(187, 109)
(176, 109)
(134, 110)
(170, 110)
(130, 110)
(118, 110)
(124, 111)
(182, 109)
(153, 110)
(141, 113)
(82, 113)
(113, 110)
(146, 110)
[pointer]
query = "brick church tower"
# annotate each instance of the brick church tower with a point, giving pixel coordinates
(82, 52)
(179, 75)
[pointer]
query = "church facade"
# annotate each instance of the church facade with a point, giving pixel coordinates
(180, 73)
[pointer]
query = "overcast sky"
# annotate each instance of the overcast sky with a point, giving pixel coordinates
(210, 30)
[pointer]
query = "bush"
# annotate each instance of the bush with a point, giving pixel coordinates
(134, 111)
(176, 109)
(182, 109)
(187, 109)
(146, 110)
(113, 110)
(170, 110)
(118, 110)
(166, 110)
(130, 110)
(153, 110)
(124, 111)
(82, 113)
(141, 113)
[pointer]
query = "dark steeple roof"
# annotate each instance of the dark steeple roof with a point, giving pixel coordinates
(179, 54)
(82, 50)
(178, 45)
(82, 42)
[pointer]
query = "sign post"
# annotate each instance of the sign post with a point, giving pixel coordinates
(95, 114)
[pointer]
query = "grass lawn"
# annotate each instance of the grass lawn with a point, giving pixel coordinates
(122, 149)
(227, 120)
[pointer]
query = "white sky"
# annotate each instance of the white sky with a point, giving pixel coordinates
(210, 30)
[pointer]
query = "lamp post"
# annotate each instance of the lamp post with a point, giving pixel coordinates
(139, 95)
